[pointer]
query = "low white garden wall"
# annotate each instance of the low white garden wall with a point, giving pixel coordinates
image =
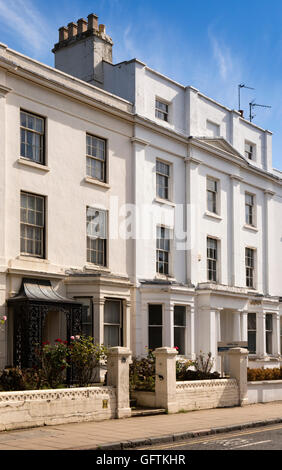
(26, 409)
(206, 394)
(145, 399)
(264, 391)
(197, 395)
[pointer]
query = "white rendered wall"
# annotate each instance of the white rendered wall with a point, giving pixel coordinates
(67, 193)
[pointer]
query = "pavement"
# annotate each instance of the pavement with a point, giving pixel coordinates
(130, 433)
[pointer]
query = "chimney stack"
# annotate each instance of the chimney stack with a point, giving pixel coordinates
(82, 26)
(92, 22)
(102, 28)
(63, 34)
(82, 49)
(72, 28)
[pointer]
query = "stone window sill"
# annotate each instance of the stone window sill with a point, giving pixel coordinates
(213, 215)
(101, 184)
(30, 163)
(164, 277)
(251, 227)
(33, 259)
(164, 201)
(96, 267)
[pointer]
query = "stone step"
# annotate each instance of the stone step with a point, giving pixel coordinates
(147, 411)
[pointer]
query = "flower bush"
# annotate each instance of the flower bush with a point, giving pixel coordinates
(142, 373)
(85, 357)
(54, 362)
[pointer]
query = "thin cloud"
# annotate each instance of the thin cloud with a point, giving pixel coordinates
(22, 18)
(222, 58)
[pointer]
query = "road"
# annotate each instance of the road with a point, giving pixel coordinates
(262, 438)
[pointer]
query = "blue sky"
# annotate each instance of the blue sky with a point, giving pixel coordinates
(212, 45)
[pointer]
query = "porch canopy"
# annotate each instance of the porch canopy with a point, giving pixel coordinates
(30, 308)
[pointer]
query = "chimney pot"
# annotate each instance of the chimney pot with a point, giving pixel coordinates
(82, 26)
(92, 22)
(102, 28)
(72, 27)
(63, 34)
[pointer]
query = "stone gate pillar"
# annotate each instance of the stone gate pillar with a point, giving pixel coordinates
(118, 377)
(238, 358)
(165, 388)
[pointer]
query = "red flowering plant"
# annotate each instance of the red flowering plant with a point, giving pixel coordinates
(54, 362)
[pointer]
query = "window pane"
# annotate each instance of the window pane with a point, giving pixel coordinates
(155, 315)
(162, 173)
(162, 168)
(179, 315)
(161, 110)
(32, 131)
(268, 342)
(155, 337)
(112, 312)
(252, 332)
(179, 340)
(252, 324)
(268, 321)
(32, 224)
(252, 342)
(111, 336)
(211, 185)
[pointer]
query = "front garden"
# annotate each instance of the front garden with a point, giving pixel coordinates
(142, 371)
(59, 365)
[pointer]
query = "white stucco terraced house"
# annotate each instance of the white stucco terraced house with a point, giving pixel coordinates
(132, 208)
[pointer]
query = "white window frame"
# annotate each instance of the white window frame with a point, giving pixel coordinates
(217, 195)
(165, 113)
(34, 132)
(169, 179)
(253, 268)
(270, 332)
(120, 324)
(155, 326)
(93, 158)
(26, 224)
(183, 327)
(253, 330)
(158, 249)
(250, 150)
(216, 260)
(254, 218)
(90, 236)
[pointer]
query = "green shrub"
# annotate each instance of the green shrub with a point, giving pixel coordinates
(142, 373)
(12, 380)
(85, 356)
(202, 369)
(255, 375)
(54, 362)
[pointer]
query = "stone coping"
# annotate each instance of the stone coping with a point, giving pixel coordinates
(56, 394)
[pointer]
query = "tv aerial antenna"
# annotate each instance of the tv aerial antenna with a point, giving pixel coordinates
(252, 105)
(242, 85)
